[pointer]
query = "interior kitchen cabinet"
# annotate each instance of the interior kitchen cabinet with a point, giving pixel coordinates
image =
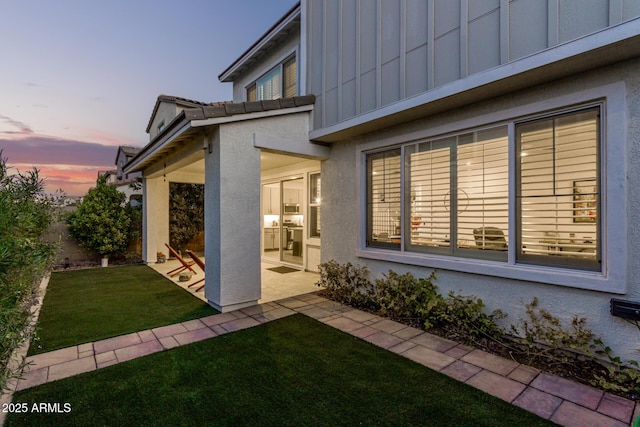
(271, 199)
(292, 196)
(271, 239)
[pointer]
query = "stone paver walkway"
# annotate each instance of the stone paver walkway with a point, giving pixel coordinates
(560, 400)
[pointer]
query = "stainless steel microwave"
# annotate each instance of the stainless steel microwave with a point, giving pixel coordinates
(291, 208)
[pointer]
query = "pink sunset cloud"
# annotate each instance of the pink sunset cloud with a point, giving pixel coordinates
(40, 150)
(65, 164)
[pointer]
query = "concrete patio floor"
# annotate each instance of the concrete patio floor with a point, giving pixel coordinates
(275, 286)
(563, 401)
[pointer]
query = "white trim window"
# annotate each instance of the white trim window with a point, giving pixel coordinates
(451, 195)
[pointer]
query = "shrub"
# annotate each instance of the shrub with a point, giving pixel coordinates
(186, 213)
(463, 317)
(348, 284)
(25, 257)
(619, 376)
(544, 337)
(405, 296)
(101, 223)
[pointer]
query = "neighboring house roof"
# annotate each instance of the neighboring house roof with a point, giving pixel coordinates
(129, 151)
(289, 22)
(180, 126)
(183, 102)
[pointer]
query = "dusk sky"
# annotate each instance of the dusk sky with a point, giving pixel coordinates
(78, 78)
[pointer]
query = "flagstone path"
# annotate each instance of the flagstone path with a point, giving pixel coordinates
(563, 401)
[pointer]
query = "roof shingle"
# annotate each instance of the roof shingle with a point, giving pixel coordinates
(237, 108)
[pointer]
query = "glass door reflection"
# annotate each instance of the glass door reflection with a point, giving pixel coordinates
(271, 206)
(292, 231)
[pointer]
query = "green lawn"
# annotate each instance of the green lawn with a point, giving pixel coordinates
(89, 305)
(294, 371)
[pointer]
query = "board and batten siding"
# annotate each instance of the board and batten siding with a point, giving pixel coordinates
(366, 54)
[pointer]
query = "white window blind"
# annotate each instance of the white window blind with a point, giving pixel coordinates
(558, 194)
(289, 76)
(251, 93)
(483, 190)
(270, 86)
(430, 185)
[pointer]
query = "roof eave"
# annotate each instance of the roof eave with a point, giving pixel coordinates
(172, 100)
(191, 119)
(285, 23)
(177, 125)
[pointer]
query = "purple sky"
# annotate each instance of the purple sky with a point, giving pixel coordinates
(78, 77)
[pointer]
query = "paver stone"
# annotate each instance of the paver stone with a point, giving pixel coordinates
(536, 401)
(581, 394)
(497, 385)
(572, 415)
(490, 362)
(138, 350)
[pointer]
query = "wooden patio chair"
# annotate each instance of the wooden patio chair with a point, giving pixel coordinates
(200, 263)
(185, 265)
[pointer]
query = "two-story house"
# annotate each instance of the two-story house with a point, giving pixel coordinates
(495, 141)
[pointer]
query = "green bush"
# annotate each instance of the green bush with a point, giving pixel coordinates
(463, 317)
(25, 215)
(544, 337)
(186, 213)
(101, 222)
(347, 284)
(405, 296)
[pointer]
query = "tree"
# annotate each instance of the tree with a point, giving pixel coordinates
(25, 215)
(101, 222)
(186, 213)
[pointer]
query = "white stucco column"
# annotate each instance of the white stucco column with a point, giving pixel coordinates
(155, 218)
(232, 218)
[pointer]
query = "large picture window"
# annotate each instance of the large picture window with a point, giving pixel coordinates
(459, 194)
(450, 195)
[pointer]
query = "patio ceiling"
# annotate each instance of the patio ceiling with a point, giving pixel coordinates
(268, 161)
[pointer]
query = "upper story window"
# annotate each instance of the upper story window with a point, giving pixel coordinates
(280, 82)
(161, 126)
(450, 196)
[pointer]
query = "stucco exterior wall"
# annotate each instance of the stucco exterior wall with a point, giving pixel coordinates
(232, 207)
(166, 112)
(341, 214)
(285, 48)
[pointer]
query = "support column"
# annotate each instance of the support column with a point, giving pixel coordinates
(232, 218)
(155, 218)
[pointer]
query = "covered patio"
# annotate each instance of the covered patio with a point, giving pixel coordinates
(223, 147)
(274, 286)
